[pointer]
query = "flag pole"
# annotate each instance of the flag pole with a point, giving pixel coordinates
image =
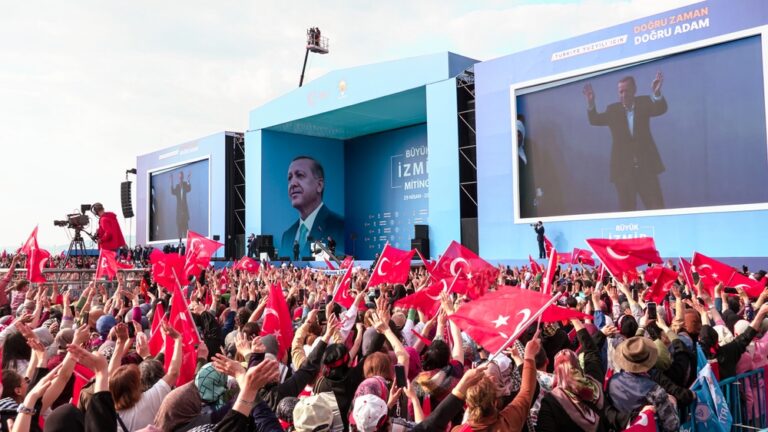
(525, 327)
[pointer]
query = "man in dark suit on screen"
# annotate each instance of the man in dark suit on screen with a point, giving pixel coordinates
(635, 160)
(306, 184)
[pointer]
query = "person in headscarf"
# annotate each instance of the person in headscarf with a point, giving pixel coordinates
(576, 400)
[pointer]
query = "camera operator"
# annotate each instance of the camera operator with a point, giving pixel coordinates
(539, 228)
(109, 236)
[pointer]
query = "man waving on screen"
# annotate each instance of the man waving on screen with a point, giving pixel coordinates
(635, 160)
(306, 184)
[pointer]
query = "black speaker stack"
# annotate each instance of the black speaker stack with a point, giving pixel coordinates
(125, 199)
(420, 241)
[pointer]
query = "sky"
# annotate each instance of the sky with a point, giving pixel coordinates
(86, 86)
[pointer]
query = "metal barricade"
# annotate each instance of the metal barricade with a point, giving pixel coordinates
(746, 398)
(76, 280)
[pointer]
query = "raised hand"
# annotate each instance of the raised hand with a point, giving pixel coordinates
(656, 84)
(227, 366)
(93, 361)
(589, 93)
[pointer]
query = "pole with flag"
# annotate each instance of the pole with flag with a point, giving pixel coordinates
(523, 326)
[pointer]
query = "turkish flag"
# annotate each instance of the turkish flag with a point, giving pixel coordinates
(394, 266)
(535, 267)
(661, 279)
(30, 244)
(750, 286)
(277, 320)
(36, 262)
(347, 262)
(181, 319)
(107, 265)
(546, 282)
(167, 268)
(248, 264)
(427, 299)
(188, 360)
(548, 247)
(565, 258)
(328, 264)
(199, 253)
(499, 317)
(685, 268)
(458, 260)
(155, 335)
(711, 271)
(582, 256)
(644, 422)
(341, 295)
(623, 256)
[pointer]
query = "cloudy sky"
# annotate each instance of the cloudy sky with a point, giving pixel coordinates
(85, 86)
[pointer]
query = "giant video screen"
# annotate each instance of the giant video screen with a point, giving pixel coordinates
(179, 201)
(680, 133)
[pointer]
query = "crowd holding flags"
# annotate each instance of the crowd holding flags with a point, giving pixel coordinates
(494, 317)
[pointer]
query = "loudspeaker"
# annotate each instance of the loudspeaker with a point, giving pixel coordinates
(422, 245)
(421, 231)
(125, 199)
(264, 241)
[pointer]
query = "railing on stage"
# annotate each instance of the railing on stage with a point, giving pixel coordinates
(79, 277)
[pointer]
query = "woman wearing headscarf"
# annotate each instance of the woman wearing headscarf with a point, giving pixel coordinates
(576, 400)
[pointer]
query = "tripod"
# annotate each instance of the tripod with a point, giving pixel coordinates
(77, 244)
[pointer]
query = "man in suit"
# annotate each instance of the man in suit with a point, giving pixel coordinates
(306, 184)
(539, 228)
(180, 191)
(635, 160)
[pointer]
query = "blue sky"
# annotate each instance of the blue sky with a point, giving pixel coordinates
(85, 86)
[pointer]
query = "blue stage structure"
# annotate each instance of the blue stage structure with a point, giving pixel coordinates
(386, 136)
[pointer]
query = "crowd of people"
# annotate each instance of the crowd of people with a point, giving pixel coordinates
(372, 367)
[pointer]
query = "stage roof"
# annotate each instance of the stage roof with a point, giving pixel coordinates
(358, 101)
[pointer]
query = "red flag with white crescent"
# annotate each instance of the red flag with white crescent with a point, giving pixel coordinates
(107, 265)
(36, 262)
(661, 279)
(199, 253)
(546, 282)
(458, 260)
(685, 268)
(644, 422)
(426, 300)
(341, 295)
(394, 266)
(248, 264)
(623, 256)
(750, 286)
(30, 244)
(155, 335)
(277, 320)
(711, 272)
(167, 268)
(548, 246)
(535, 267)
(495, 318)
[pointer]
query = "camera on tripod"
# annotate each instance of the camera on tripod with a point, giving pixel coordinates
(75, 221)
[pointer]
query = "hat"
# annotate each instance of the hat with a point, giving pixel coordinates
(636, 354)
(368, 411)
(313, 413)
(104, 324)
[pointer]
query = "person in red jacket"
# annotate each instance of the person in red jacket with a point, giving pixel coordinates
(109, 235)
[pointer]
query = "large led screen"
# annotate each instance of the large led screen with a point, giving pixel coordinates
(179, 201)
(683, 132)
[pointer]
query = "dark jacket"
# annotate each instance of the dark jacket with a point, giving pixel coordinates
(729, 354)
(262, 419)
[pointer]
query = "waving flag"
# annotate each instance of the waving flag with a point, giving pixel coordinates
(548, 246)
(248, 264)
(341, 295)
(199, 253)
(394, 266)
(277, 320)
(661, 279)
(347, 262)
(685, 268)
(711, 271)
(427, 300)
(498, 318)
(546, 282)
(535, 267)
(644, 422)
(36, 262)
(458, 260)
(108, 264)
(30, 244)
(181, 319)
(155, 335)
(750, 286)
(328, 264)
(582, 256)
(167, 268)
(623, 256)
